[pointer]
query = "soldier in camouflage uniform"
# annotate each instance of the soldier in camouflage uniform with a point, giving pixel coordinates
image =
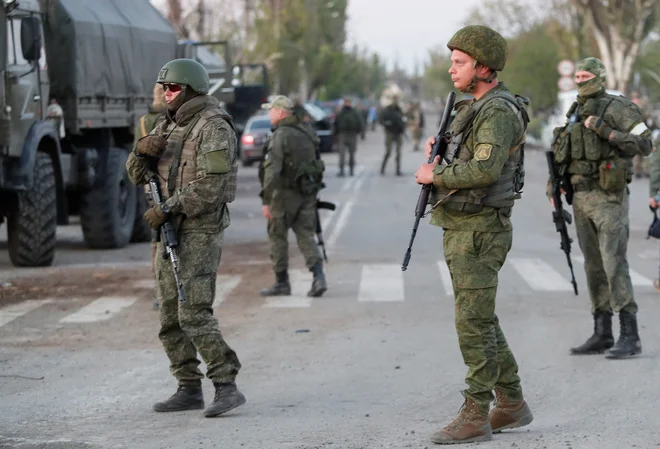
(391, 117)
(348, 125)
(144, 126)
(292, 177)
(193, 153)
(415, 123)
(597, 154)
(641, 164)
(472, 200)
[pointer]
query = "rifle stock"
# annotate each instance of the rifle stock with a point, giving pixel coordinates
(439, 148)
(168, 237)
(560, 216)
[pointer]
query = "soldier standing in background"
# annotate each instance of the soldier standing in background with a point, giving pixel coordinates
(597, 156)
(641, 164)
(292, 178)
(144, 126)
(348, 124)
(415, 123)
(391, 117)
(196, 166)
(474, 197)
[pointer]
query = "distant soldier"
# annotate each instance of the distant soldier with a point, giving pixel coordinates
(475, 195)
(348, 125)
(641, 164)
(415, 123)
(391, 117)
(597, 155)
(292, 178)
(144, 126)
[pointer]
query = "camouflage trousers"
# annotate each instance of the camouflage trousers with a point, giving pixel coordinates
(474, 260)
(396, 140)
(416, 135)
(291, 210)
(348, 142)
(188, 328)
(602, 226)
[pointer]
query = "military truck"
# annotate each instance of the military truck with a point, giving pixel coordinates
(76, 77)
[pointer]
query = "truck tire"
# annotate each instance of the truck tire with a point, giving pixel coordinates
(32, 221)
(141, 230)
(107, 211)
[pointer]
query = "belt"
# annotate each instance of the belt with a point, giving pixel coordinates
(583, 187)
(473, 208)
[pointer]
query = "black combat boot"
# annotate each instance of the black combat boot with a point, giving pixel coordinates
(281, 286)
(350, 169)
(628, 343)
(601, 340)
(398, 167)
(318, 284)
(187, 397)
(227, 397)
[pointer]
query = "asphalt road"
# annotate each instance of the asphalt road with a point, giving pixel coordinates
(374, 363)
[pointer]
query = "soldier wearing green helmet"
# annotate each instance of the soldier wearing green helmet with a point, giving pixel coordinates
(193, 153)
(472, 199)
(597, 152)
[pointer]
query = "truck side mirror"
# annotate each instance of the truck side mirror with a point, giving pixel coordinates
(31, 38)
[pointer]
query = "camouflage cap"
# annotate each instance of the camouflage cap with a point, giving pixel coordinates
(280, 102)
(592, 65)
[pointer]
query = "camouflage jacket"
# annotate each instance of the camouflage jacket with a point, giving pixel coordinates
(291, 144)
(495, 129)
(205, 178)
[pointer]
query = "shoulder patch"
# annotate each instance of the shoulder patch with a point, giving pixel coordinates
(482, 152)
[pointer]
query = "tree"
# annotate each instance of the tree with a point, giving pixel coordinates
(619, 27)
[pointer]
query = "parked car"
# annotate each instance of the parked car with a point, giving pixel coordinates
(323, 125)
(257, 130)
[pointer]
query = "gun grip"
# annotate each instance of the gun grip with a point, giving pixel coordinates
(567, 217)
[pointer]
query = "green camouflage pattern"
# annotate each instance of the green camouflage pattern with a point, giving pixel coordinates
(474, 260)
(592, 65)
(185, 71)
(495, 124)
(291, 210)
(484, 44)
(603, 229)
(190, 327)
(291, 145)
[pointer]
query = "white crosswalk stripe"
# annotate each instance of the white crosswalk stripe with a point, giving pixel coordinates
(10, 313)
(370, 283)
(539, 275)
(381, 283)
(101, 309)
(446, 278)
(637, 279)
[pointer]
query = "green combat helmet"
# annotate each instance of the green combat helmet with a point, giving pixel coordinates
(185, 71)
(484, 44)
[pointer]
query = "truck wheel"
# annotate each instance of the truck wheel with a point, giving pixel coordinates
(141, 230)
(32, 221)
(107, 212)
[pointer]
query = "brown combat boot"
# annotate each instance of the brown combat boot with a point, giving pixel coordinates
(508, 414)
(470, 426)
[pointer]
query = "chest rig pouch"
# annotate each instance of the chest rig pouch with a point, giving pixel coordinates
(508, 187)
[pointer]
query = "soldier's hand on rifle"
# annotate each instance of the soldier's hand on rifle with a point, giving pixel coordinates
(424, 174)
(155, 217)
(152, 146)
(265, 210)
(428, 147)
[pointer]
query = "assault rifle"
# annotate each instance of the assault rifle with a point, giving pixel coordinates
(439, 149)
(167, 236)
(560, 216)
(319, 232)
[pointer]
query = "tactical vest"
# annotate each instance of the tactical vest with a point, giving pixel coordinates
(588, 158)
(177, 167)
(507, 188)
(302, 168)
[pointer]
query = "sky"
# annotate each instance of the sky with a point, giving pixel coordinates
(405, 29)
